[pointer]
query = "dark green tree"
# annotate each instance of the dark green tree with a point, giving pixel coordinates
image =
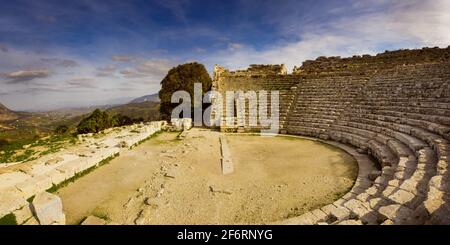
(61, 129)
(121, 120)
(96, 122)
(182, 77)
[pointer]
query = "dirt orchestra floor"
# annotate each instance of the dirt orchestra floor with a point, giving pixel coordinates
(167, 180)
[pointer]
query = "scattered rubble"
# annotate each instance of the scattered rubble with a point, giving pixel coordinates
(93, 220)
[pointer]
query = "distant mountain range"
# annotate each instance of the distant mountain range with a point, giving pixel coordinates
(146, 107)
(146, 98)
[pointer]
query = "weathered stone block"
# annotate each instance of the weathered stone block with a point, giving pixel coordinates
(350, 222)
(13, 178)
(31, 221)
(401, 196)
(48, 209)
(35, 185)
(23, 214)
(397, 213)
(11, 199)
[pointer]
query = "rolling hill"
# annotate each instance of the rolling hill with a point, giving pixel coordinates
(150, 98)
(147, 110)
(6, 114)
(24, 127)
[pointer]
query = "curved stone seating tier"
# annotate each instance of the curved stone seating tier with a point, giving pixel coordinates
(23, 181)
(401, 117)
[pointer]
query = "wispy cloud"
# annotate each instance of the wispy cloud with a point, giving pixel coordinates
(60, 62)
(235, 46)
(148, 68)
(46, 18)
(155, 67)
(106, 71)
(82, 83)
(177, 8)
(123, 58)
(26, 75)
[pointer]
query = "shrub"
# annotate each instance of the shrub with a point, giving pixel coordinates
(61, 129)
(101, 120)
(121, 120)
(96, 122)
(9, 219)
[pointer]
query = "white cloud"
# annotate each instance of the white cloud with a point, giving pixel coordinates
(155, 67)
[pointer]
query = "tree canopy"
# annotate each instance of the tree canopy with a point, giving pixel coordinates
(101, 120)
(96, 122)
(182, 77)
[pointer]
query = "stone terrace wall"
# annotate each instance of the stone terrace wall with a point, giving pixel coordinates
(22, 181)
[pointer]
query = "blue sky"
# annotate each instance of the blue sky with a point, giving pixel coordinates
(87, 52)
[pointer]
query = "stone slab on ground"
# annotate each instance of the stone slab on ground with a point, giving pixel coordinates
(48, 209)
(23, 214)
(93, 220)
(227, 164)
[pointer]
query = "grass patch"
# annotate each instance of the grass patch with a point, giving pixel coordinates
(55, 188)
(148, 138)
(24, 156)
(30, 199)
(14, 151)
(165, 141)
(101, 214)
(9, 219)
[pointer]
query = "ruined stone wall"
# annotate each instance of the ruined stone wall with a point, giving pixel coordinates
(257, 78)
(367, 64)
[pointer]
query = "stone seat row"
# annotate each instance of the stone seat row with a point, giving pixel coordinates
(422, 153)
(406, 132)
(384, 155)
